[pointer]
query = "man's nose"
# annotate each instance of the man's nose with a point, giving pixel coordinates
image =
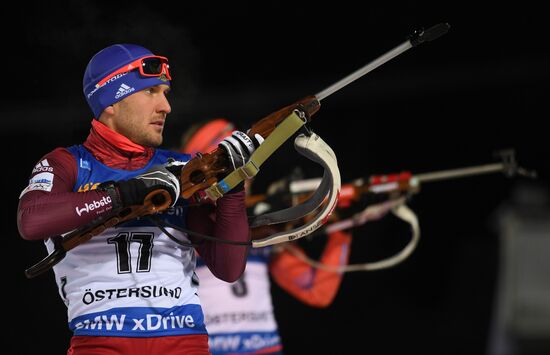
(164, 105)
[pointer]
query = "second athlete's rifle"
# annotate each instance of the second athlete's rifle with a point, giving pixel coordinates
(402, 183)
(382, 194)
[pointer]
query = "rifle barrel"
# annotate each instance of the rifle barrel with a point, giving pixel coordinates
(461, 172)
(364, 70)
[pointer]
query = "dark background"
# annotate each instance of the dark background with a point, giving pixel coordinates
(446, 104)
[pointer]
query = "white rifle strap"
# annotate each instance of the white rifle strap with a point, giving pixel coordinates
(315, 149)
(298, 211)
(403, 212)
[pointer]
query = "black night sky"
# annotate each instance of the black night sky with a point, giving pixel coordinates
(446, 104)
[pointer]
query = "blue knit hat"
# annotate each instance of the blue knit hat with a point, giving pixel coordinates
(120, 86)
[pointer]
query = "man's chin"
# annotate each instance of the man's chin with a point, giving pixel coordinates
(153, 142)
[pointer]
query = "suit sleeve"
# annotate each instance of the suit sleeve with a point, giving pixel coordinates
(49, 207)
(228, 221)
(313, 286)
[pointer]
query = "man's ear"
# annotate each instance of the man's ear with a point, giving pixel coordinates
(109, 110)
(106, 115)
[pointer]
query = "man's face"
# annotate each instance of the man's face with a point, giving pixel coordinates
(141, 116)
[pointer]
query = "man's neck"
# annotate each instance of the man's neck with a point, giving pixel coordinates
(115, 150)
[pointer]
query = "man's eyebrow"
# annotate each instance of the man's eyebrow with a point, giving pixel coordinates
(159, 87)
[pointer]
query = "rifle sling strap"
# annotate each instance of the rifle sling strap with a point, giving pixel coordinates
(280, 134)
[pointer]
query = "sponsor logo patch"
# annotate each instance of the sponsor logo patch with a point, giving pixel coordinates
(94, 205)
(41, 182)
(88, 186)
(84, 164)
(42, 166)
(124, 90)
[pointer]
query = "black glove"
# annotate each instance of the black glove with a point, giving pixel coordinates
(133, 191)
(239, 147)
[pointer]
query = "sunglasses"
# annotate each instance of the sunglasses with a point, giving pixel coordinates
(150, 66)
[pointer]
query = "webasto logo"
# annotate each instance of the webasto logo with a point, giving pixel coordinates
(93, 205)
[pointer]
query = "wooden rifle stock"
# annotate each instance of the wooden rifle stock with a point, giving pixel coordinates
(199, 173)
(155, 201)
(202, 170)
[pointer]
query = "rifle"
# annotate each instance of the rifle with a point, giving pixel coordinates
(394, 189)
(201, 172)
(395, 184)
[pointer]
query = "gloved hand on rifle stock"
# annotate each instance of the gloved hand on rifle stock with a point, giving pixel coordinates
(133, 191)
(239, 148)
